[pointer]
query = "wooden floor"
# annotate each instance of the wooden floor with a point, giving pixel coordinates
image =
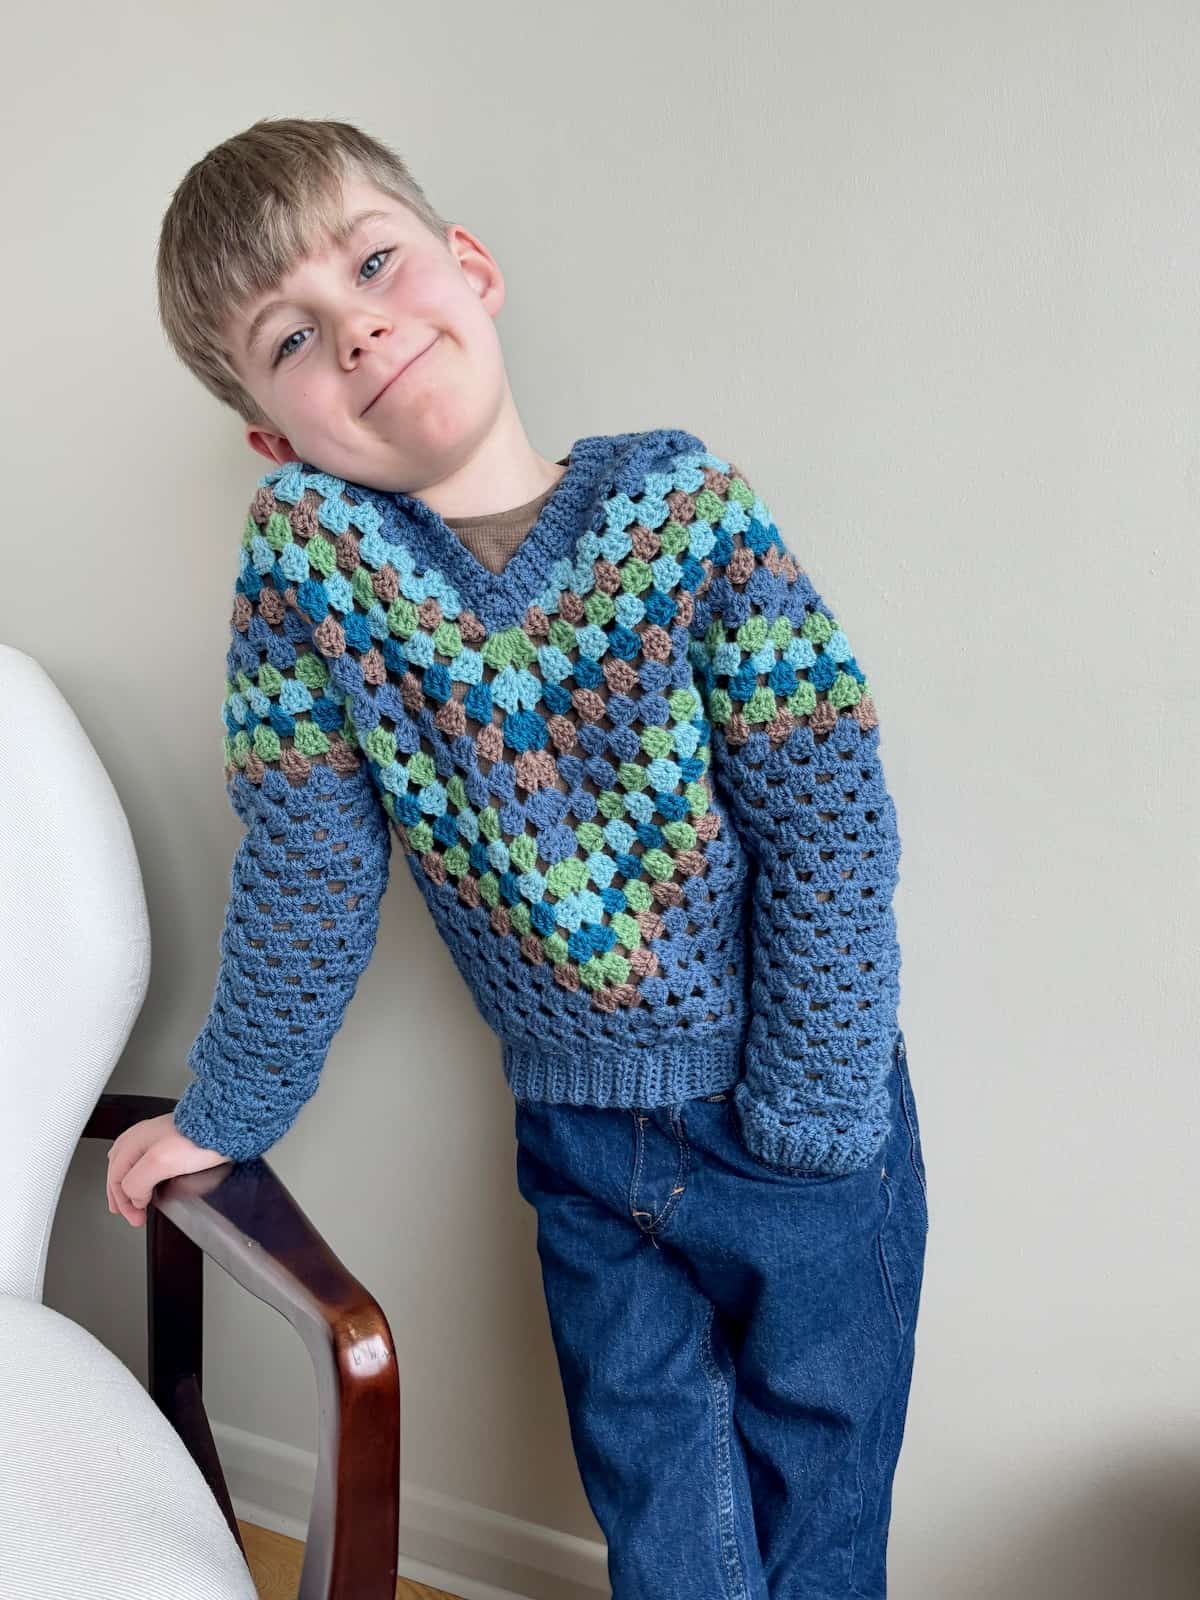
(275, 1562)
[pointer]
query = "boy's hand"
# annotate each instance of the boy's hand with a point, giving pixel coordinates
(146, 1155)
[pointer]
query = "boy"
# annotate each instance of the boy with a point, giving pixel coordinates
(633, 766)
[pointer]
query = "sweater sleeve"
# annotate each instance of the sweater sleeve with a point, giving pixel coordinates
(795, 759)
(307, 879)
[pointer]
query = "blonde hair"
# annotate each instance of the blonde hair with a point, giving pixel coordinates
(246, 215)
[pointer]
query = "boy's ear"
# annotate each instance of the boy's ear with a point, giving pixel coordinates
(268, 443)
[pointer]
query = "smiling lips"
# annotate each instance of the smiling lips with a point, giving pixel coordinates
(402, 370)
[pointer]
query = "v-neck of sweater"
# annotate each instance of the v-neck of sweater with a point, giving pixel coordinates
(597, 465)
(514, 517)
(494, 537)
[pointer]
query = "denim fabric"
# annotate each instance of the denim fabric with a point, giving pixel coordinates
(735, 1343)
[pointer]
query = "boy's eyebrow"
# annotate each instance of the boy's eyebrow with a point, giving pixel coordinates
(353, 224)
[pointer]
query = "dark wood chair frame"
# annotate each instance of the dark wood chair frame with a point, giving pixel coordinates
(243, 1218)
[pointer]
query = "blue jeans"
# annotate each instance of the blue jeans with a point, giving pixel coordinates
(735, 1343)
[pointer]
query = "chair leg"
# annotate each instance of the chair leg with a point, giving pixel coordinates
(175, 1349)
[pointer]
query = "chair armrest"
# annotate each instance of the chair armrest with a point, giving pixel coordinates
(243, 1218)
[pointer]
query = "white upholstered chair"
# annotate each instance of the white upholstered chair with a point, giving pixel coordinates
(108, 1490)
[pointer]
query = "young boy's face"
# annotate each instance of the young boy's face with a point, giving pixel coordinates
(350, 321)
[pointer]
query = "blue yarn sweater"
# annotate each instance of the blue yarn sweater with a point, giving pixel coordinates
(635, 776)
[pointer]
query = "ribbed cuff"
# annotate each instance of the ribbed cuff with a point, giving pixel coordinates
(831, 1142)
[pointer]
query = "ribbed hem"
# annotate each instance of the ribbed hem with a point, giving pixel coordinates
(637, 1077)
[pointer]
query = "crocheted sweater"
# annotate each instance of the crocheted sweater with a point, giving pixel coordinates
(635, 776)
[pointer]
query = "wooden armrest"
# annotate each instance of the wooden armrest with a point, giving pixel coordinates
(242, 1217)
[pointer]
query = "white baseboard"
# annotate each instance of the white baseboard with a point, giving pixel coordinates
(465, 1549)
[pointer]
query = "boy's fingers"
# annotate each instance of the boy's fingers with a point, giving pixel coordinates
(119, 1200)
(124, 1176)
(140, 1180)
(118, 1204)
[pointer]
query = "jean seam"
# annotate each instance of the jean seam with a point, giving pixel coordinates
(639, 1140)
(853, 1588)
(657, 1224)
(912, 1136)
(675, 1198)
(884, 1399)
(884, 1267)
(719, 1389)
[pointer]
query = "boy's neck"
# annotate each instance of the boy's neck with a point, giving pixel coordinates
(503, 472)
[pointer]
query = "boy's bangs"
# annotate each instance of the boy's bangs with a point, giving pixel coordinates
(289, 230)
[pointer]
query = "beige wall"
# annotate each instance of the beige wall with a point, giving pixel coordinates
(929, 274)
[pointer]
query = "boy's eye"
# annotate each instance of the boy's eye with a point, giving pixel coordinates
(282, 353)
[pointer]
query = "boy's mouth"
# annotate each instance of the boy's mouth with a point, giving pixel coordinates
(400, 371)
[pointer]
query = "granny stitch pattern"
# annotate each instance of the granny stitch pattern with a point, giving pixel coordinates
(635, 776)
